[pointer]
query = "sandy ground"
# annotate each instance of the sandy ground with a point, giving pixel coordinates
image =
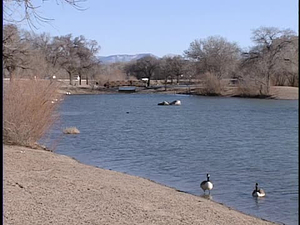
(279, 92)
(42, 187)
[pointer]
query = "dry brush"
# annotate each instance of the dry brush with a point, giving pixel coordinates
(29, 110)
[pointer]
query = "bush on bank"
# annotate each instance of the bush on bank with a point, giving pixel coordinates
(28, 110)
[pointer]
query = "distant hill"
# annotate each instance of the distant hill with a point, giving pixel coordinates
(123, 58)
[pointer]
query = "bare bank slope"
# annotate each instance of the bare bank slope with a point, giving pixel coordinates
(42, 187)
(289, 93)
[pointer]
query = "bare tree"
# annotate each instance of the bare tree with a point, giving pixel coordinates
(65, 55)
(291, 62)
(76, 55)
(143, 68)
(16, 11)
(15, 50)
(171, 67)
(45, 56)
(86, 51)
(129, 69)
(270, 43)
(214, 55)
(164, 70)
(177, 66)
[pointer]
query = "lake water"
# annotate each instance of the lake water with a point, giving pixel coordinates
(238, 141)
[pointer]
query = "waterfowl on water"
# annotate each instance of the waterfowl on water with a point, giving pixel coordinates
(176, 102)
(258, 192)
(207, 185)
(164, 103)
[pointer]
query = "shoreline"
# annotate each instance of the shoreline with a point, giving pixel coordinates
(42, 187)
(276, 92)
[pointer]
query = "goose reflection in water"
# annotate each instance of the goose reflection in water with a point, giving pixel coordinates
(209, 197)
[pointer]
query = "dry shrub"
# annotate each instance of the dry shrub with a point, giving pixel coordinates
(71, 130)
(28, 110)
(251, 89)
(211, 85)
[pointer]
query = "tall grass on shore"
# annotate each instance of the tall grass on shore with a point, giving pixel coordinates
(28, 110)
(251, 89)
(212, 86)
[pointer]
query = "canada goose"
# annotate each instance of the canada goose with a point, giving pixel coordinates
(164, 103)
(258, 192)
(176, 102)
(206, 185)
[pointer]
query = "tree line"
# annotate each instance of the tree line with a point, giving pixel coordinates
(31, 55)
(272, 60)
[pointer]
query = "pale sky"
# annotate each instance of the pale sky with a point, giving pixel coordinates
(164, 27)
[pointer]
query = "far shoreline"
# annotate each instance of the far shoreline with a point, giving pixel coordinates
(276, 92)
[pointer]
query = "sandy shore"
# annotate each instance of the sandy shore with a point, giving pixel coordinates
(42, 187)
(288, 93)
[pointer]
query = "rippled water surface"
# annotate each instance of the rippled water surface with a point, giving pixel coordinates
(238, 141)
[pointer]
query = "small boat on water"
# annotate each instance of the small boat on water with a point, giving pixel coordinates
(127, 89)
